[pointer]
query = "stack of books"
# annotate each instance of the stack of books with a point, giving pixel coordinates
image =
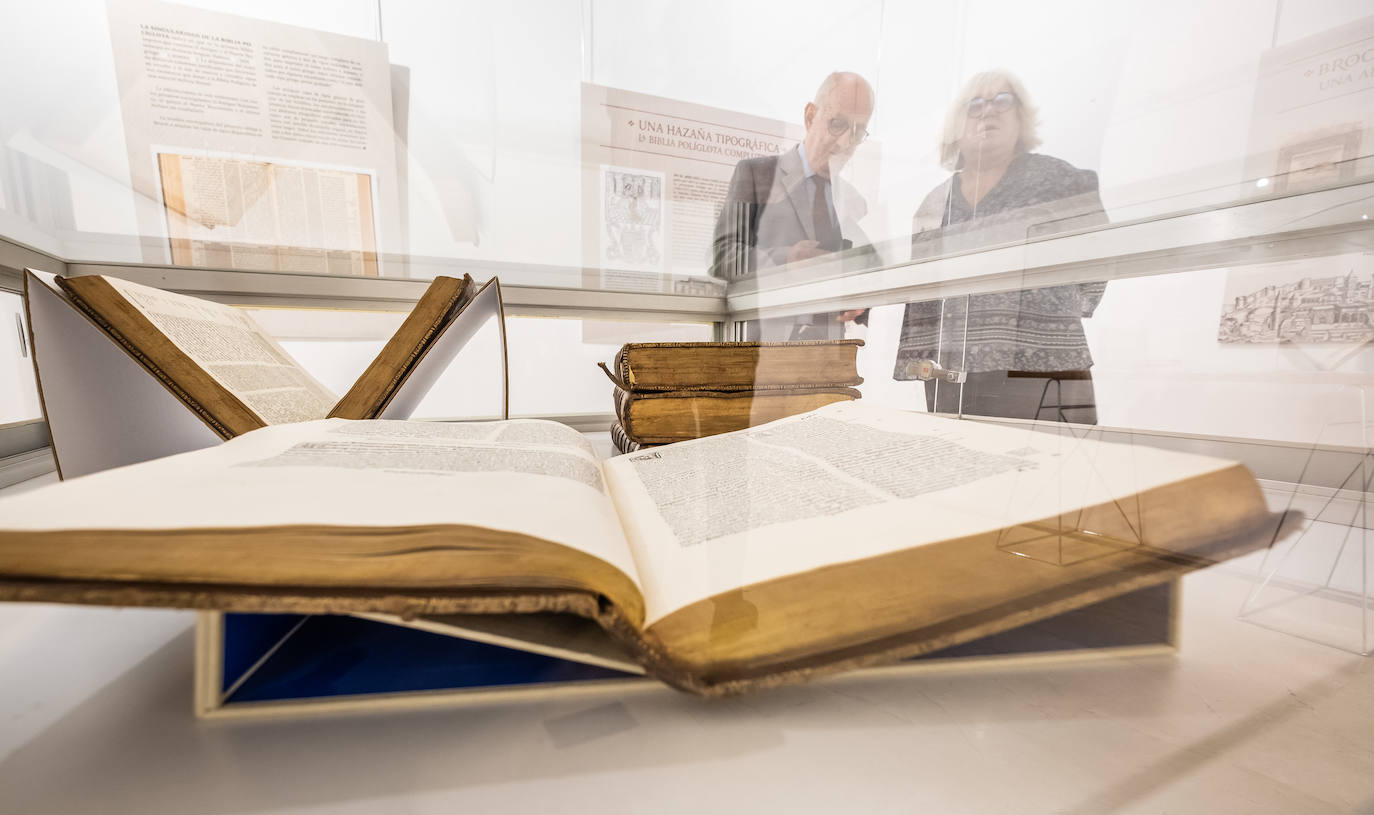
(675, 391)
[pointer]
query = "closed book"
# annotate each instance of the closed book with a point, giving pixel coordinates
(666, 417)
(737, 366)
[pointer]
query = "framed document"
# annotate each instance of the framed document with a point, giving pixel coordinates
(236, 213)
(1317, 162)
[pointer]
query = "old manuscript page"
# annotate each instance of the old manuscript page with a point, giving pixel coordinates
(234, 350)
(847, 482)
(530, 477)
(263, 216)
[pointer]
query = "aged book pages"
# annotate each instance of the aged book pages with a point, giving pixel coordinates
(725, 366)
(235, 376)
(368, 504)
(244, 214)
(842, 537)
(876, 526)
(211, 355)
(665, 417)
(442, 303)
(850, 482)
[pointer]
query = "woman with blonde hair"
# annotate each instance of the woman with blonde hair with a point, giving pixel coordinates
(1013, 345)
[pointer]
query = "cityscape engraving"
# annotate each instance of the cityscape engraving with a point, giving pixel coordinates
(1306, 310)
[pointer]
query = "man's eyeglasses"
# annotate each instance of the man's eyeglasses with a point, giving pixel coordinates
(1001, 103)
(838, 126)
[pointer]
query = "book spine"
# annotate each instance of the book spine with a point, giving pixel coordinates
(623, 443)
(664, 418)
(743, 344)
(744, 366)
(349, 407)
(737, 388)
(622, 365)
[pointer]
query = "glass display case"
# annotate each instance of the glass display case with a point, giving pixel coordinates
(1138, 223)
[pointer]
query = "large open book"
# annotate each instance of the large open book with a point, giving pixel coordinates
(209, 371)
(844, 537)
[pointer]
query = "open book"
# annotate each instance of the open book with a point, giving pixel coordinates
(211, 371)
(840, 538)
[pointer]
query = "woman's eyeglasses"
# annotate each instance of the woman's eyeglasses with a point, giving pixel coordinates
(1001, 103)
(838, 126)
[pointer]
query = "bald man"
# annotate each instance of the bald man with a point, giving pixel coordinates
(782, 209)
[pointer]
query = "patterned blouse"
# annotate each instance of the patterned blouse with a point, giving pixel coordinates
(1031, 330)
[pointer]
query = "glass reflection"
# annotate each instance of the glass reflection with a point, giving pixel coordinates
(793, 207)
(1024, 352)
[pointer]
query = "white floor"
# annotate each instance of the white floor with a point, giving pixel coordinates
(95, 706)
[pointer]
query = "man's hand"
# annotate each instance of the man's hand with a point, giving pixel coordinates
(803, 250)
(847, 316)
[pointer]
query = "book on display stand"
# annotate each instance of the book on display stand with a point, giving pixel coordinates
(280, 662)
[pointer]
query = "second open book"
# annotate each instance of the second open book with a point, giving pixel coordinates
(128, 372)
(844, 537)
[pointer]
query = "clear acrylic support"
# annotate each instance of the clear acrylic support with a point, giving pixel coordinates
(1316, 585)
(1084, 532)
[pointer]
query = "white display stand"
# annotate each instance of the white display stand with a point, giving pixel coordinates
(104, 410)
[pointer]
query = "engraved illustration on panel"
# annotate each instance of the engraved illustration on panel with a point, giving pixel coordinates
(631, 219)
(1328, 301)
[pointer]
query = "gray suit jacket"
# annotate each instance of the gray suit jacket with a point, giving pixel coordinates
(767, 210)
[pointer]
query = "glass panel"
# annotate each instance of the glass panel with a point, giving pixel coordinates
(18, 393)
(949, 182)
(337, 346)
(1276, 352)
(553, 362)
(328, 137)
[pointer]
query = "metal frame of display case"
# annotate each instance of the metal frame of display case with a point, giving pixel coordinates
(1244, 232)
(22, 445)
(1234, 231)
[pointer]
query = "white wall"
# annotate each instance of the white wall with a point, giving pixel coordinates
(18, 395)
(552, 365)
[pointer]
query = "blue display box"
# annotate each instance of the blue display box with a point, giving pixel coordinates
(279, 664)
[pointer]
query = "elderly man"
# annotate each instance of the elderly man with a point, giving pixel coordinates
(781, 209)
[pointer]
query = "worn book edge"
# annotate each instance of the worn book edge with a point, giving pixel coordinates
(237, 417)
(401, 354)
(633, 427)
(644, 646)
(627, 379)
